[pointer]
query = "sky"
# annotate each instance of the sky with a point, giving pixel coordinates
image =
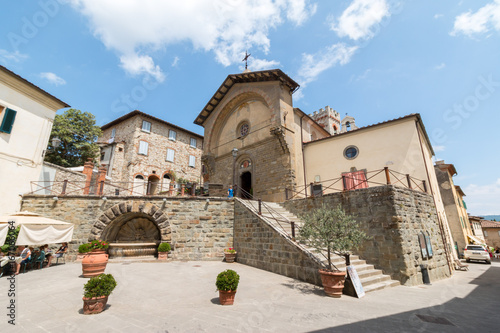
(375, 60)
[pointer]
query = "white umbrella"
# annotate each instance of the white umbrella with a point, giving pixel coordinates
(36, 229)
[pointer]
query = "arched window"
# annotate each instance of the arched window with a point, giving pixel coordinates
(138, 185)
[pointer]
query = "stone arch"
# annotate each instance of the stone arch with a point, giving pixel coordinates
(147, 209)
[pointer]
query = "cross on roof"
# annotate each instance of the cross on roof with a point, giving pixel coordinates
(246, 59)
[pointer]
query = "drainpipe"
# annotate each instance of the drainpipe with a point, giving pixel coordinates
(443, 237)
(303, 157)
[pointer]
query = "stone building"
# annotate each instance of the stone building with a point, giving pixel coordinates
(491, 231)
(145, 154)
(26, 117)
(475, 223)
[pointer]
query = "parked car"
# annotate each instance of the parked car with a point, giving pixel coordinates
(476, 252)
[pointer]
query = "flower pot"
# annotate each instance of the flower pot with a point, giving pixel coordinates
(226, 297)
(333, 282)
(230, 257)
(94, 263)
(80, 256)
(94, 305)
(162, 255)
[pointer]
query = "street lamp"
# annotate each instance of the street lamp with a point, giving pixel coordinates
(56, 142)
(234, 152)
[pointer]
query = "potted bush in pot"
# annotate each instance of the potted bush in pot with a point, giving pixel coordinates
(82, 250)
(163, 250)
(96, 292)
(227, 283)
(95, 260)
(333, 231)
(230, 254)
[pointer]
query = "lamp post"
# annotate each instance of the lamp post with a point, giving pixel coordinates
(234, 152)
(56, 142)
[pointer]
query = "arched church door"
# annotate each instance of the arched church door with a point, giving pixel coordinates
(246, 185)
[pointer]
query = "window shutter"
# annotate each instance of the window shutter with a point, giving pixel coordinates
(193, 142)
(172, 135)
(170, 155)
(8, 121)
(192, 161)
(143, 147)
(146, 126)
(113, 133)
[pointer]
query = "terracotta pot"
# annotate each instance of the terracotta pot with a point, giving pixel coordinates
(80, 256)
(230, 257)
(94, 263)
(226, 297)
(333, 282)
(94, 305)
(162, 255)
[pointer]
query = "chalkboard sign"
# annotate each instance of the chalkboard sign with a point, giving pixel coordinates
(423, 246)
(429, 245)
(356, 282)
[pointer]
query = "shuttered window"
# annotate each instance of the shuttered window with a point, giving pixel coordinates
(172, 135)
(143, 147)
(170, 155)
(192, 161)
(193, 142)
(113, 133)
(8, 120)
(146, 126)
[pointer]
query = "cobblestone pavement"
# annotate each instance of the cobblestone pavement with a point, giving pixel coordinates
(181, 297)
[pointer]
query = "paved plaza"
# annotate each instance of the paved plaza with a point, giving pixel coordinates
(181, 297)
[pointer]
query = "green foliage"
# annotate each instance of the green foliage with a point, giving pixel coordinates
(78, 134)
(164, 247)
(230, 250)
(227, 280)
(10, 239)
(332, 230)
(84, 248)
(101, 285)
(181, 180)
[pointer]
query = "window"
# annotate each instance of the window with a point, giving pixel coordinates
(498, 232)
(8, 120)
(192, 161)
(354, 180)
(146, 126)
(172, 135)
(113, 133)
(103, 155)
(193, 142)
(143, 147)
(244, 129)
(485, 233)
(170, 155)
(351, 152)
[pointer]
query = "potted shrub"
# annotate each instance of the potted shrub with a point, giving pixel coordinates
(82, 250)
(333, 231)
(96, 292)
(227, 283)
(95, 260)
(230, 254)
(163, 250)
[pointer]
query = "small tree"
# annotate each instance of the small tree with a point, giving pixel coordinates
(332, 230)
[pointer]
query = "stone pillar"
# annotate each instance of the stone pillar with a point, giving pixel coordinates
(100, 180)
(88, 167)
(170, 189)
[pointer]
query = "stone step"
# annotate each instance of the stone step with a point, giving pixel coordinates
(381, 285)
(374, 279)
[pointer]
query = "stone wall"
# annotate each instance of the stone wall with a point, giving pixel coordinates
(259, 245)
(76, 180)
(197, 229)
(392, 217)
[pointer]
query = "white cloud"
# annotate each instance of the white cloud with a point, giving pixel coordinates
(483, 199)
(53, 78)
(261, 64)
(438, 148)
(440, 66)
(137, 28)
(6, 56)
(358, 20)
(175, 62)
(438, 16)
(482, 21)
(356, 78)
(315, 64)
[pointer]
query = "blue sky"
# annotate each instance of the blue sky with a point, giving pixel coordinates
(373, 59)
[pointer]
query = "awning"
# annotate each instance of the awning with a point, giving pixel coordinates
(4, 229)
(476, 240)
(36, 229)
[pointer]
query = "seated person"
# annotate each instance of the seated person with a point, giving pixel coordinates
(60, 252)
(25, 257)
(39, 253)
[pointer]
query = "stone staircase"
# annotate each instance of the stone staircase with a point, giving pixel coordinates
(278, 218)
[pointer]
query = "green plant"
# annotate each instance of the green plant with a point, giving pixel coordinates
(98, 245)
(101, 285)
(230, 250)
(164, 247)
(227, 280)
(84, 248)
(332, 230)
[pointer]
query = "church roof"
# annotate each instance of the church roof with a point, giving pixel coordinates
(416, 115)
(260, 76)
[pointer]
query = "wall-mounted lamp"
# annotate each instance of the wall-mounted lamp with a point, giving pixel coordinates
(164, 199)
(208, 200)
(104, 198)
(56, 142)
(55, 198)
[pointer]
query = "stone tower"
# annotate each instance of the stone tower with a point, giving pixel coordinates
(328, 118)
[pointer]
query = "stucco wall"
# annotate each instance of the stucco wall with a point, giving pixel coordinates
(393, 217)
(197, 229)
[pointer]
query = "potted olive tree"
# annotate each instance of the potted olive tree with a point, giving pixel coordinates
(333, 231)
(227, 283)
(96, 292)
(163, 250)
